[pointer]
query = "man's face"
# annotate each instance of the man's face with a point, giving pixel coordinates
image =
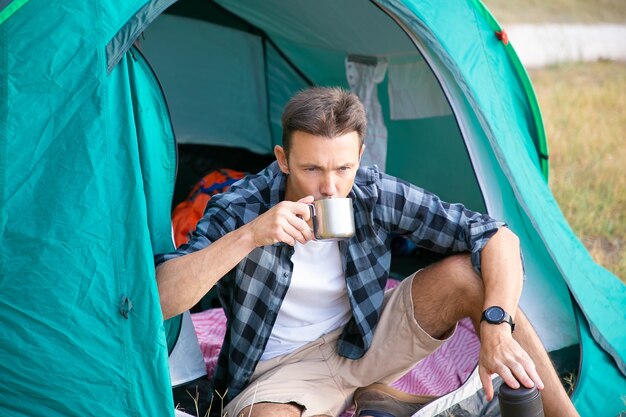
(319, 166)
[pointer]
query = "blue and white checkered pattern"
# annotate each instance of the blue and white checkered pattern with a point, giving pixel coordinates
(253, 291)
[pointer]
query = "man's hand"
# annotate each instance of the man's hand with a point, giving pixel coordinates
(502, 355)
(285, 222)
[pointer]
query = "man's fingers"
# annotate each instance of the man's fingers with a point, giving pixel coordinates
(301, 208)
(299, 223)
(301, 230)
(306, 200)
(485, 379)
(507, 376)
(288, 239)
(527, 375)
(536, 378)
(286, 222)
(505, 357)
(290, 235)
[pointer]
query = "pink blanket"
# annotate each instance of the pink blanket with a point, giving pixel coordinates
(443, 371)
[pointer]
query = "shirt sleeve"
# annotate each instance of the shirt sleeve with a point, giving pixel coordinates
(433, 224)
(215, 223)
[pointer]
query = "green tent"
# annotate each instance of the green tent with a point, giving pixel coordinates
(88, 164)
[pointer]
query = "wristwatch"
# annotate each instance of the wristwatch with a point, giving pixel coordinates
(497, 315)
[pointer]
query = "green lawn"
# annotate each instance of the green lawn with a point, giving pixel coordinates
(584, 111)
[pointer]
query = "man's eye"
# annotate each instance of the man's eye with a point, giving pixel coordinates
(344, 168)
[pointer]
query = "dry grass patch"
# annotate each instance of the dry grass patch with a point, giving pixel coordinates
(584, 111)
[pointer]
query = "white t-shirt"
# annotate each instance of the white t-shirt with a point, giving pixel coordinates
(316, 302)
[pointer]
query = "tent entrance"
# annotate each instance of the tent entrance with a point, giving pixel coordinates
(227, 84)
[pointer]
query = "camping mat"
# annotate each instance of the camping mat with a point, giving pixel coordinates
(442, 372)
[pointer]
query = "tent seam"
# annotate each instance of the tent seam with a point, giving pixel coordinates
(10, 9)
(4, 118)
(541, 144)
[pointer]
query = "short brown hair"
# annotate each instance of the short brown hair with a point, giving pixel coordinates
(323, 111)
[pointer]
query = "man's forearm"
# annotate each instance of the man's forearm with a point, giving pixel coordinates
(183, 281)
(500, 353)
(502, 272)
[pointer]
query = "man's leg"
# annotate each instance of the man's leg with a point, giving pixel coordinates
(450, 290)
(272, 410)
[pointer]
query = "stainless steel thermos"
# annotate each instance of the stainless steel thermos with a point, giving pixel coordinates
(521, 402)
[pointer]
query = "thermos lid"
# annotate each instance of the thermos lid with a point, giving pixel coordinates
(517, 395)
(521, 402)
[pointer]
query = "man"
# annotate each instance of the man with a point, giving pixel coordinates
(309, 322)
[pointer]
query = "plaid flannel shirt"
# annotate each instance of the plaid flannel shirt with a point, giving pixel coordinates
(253, 291)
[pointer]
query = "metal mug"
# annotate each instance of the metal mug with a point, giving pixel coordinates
(332, 218)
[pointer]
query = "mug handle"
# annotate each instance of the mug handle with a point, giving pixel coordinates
(313, 219)
(312, 209)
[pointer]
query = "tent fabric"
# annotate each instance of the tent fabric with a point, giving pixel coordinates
(539, 138)
(127, 35)
(152, 121)
(84, 196)
(596, 368)
(8, 7)
(233, 110)
(283, 81)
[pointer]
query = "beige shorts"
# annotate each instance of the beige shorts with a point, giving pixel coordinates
(316, 377)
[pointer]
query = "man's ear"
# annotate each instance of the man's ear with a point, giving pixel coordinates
(361, 152)
(281, 158)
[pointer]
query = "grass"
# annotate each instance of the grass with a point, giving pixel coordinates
(558, 11)
(196, 400)
(584, 112)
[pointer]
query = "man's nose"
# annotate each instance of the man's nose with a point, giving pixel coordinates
(328, 187)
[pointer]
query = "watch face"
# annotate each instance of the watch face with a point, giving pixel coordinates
(494, 314)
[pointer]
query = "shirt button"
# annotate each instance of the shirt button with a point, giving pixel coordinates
(285, 274)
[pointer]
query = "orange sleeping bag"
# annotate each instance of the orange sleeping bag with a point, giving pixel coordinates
(187, 213)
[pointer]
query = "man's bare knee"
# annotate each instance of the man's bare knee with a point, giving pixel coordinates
(445, 292)
(271, 410)
(458, 266)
